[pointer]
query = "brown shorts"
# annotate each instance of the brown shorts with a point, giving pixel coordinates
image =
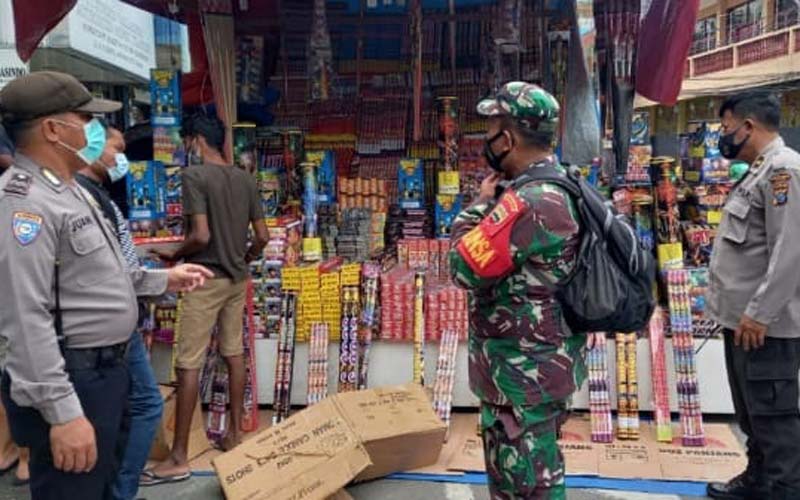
(219, 302)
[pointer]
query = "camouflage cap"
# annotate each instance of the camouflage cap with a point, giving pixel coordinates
(529, 104)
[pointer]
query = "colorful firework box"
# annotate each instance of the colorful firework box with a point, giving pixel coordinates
(639, 165)
(411, 183)
(424, 254)
(174, 200)
(326, 175)
(147, 199)
(447, 209)
(640, 129)
(168, 146)
(445, 307)
(165, 319)
(165, 97)
(244, 147)
(285, 242)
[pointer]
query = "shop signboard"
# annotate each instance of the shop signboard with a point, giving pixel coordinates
(11, 66)
(115, 33)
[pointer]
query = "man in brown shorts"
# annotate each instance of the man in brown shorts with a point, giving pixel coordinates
(220, 203)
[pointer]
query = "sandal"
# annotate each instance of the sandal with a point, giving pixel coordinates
(151, 479)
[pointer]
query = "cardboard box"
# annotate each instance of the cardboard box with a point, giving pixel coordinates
(198, 441)
(397, 426)
(341, 495)
(312, 455)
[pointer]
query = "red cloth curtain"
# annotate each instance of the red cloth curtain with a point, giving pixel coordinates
(33, 19)
(664, 42)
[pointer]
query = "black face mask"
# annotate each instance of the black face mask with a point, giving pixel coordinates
(494, 160)
(728, 148)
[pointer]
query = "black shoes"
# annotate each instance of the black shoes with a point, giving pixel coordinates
(742, 487)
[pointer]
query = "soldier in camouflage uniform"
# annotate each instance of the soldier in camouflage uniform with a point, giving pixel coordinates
(524, 362)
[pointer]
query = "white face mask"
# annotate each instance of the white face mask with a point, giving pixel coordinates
(120, 168)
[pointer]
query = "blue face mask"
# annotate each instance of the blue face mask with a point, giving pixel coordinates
(95, 141)
(120, 168)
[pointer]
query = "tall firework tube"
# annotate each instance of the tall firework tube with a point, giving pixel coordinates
(599, 398)
(416, 64)
(658, 374)
(348, 350)
(448, 132)
(419, 328)
(177, 335)
(633, 387)
(310, 204)
(250, 414)
(679, 290)
(285, 363)
(623, 422)
(352, 375)
(445, 375)
(318, 363)
(368, 318)
(292, 156)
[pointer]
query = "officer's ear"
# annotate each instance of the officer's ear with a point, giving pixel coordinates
(49, 127)
(510, 139)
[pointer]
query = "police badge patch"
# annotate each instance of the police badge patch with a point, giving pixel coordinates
(780, 187)
(26, 227)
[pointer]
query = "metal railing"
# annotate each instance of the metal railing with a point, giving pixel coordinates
(764, 47)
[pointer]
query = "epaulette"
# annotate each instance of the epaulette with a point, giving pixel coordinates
(19, 184)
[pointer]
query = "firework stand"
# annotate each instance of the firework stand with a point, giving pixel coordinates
(357, 118)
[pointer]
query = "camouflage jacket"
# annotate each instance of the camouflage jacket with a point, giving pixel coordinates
(521, 352)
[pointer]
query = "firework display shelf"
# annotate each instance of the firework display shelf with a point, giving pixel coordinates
(391, 363)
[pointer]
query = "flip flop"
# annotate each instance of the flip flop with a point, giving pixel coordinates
(154, 480)
(17, 482)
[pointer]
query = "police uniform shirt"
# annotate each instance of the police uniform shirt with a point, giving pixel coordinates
(755, 264)
(42, 219)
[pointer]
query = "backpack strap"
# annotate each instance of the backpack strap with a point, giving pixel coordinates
(551, 175)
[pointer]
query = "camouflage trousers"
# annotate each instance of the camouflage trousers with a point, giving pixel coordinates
(523, 460)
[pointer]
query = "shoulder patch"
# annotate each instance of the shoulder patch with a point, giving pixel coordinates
(26, 227)
(19, 184)
(486, 248)
(780, 180)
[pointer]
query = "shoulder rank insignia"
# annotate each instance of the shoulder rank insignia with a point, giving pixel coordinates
(19, 184)
(486, 248)
(26, 227)
(51, 177)
(779, 181)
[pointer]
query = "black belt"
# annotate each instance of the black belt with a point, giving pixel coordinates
(96, 357)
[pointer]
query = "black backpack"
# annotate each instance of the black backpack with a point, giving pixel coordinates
(611, 288)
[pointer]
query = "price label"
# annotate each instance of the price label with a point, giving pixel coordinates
(449, 183)
(714, 217)
(312, 249)
(670, 255)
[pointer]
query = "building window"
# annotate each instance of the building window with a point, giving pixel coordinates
(787, 13)
(705, 35)
(744, 21)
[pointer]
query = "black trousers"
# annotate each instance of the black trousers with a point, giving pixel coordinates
(103, 392)
(764, 385)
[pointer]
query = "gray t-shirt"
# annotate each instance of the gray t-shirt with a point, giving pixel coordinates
(229, 197)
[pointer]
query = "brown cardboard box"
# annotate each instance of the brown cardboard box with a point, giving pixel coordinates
(198, 441)
(312, 455)
(341, 495)
(397, 426)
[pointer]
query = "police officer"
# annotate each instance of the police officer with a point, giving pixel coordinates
(70, 303)
(755, 297)
(524, 364)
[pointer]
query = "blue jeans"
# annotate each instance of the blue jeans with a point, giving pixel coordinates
(144, 406)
